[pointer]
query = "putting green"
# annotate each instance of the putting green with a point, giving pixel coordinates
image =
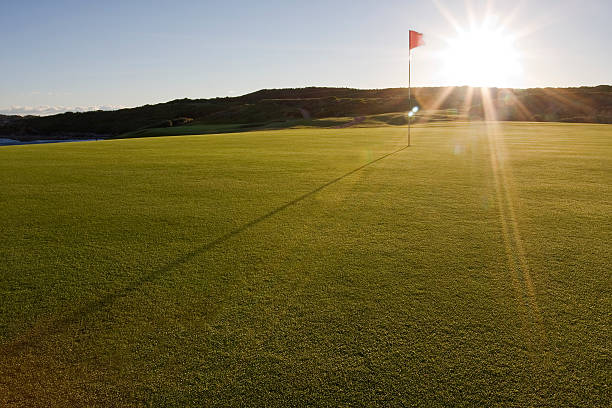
(310, 267)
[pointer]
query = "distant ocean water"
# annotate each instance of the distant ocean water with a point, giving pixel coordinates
(12, 142)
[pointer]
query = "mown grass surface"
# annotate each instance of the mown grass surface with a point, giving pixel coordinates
(380, 120)
(291, 268)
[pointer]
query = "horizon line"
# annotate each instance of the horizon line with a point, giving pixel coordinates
(48, 110)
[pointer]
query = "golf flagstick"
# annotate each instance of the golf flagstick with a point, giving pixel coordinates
(409, 93)
(414, 40)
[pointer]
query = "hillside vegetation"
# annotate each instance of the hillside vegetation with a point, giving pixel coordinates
(282, 106)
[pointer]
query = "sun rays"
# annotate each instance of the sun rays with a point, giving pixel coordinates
(482, 52)
(484, 63)
(482, 56)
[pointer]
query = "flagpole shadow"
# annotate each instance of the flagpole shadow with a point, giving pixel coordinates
(54, 326)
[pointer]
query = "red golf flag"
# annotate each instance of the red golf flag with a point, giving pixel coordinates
(416, 39)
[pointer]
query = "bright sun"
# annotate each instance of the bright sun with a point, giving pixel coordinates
(484, 56)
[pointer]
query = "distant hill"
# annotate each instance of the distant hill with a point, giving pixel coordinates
(584, 104)
(6, 119)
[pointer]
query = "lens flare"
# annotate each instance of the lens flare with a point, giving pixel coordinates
(484, 56)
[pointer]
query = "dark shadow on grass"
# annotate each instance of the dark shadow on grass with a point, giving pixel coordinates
(54, 326)
(195, 129)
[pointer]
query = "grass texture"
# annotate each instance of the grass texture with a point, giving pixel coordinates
(325, 267)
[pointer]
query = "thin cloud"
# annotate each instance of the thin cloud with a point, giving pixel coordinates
(46, 110)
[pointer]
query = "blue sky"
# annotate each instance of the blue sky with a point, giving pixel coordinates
(77, 55)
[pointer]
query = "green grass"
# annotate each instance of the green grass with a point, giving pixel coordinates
(204, 129)
(293, 268)
(380, 120)
(196, 129)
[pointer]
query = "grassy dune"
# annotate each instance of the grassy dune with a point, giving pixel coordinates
(310, 267)
(393, 119)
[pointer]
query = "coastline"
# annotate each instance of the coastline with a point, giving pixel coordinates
(15, 142)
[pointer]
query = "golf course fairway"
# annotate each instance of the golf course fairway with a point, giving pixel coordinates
(326, 267)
